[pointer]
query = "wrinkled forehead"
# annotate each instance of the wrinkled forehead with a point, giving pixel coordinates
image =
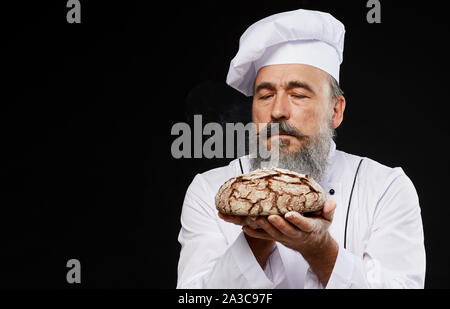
(282, 74)
(294, 76)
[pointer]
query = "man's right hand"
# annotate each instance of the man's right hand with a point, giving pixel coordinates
(240, 220)
(261, 248)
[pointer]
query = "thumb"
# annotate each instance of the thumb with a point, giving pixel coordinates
(328, 210)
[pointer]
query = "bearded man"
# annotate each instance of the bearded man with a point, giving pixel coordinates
(369, 233)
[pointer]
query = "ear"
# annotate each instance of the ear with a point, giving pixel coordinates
(338, 111)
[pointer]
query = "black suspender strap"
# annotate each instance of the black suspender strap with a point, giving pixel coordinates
(240, 164)
(349, 202)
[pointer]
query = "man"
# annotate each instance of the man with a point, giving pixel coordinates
(369, 233)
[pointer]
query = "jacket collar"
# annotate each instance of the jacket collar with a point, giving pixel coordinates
(331, 156)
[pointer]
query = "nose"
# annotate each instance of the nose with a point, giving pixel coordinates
(281, 108)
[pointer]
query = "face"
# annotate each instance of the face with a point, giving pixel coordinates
(301, 96)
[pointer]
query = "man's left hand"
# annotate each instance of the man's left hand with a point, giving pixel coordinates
(307, 235)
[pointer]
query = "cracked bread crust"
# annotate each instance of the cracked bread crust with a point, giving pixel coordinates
(266, 192)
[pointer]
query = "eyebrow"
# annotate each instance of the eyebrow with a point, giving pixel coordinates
(299, 84)
(290, 85)
(265, 85)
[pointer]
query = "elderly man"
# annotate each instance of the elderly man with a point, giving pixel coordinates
(369, 233)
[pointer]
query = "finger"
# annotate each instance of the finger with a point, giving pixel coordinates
(239, 220)
(251, 222)
(328, 210)
(256, 233)
(270, 229)
(317, 213)
(231, 219)
(303, 223)
(225, 217)
(283, 226)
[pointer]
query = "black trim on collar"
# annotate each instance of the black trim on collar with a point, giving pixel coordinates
(348, 207)
(240, 164)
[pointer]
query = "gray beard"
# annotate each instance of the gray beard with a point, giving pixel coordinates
(311, 159)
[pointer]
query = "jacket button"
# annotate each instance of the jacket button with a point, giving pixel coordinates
(331, 191)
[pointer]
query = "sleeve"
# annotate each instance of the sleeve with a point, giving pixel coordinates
(206, 259)
(394, 256)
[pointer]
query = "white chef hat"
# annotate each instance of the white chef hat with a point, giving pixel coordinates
(301, 36)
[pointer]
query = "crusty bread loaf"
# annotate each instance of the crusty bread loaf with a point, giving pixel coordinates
(266, 192)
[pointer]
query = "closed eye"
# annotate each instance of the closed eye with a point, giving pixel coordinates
(266, 97)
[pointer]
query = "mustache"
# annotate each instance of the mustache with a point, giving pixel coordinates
(284, 128)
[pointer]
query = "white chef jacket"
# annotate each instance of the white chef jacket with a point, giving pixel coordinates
(384, 237)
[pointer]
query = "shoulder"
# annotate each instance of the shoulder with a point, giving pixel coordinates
(211, 180)
(376, 179)
(369, 169)
(202, 190)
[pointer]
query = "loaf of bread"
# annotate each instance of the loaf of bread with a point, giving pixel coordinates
(272, 191)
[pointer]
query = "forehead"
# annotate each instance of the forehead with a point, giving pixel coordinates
(279, 74)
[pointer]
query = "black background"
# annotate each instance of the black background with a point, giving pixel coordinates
(87, 109)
